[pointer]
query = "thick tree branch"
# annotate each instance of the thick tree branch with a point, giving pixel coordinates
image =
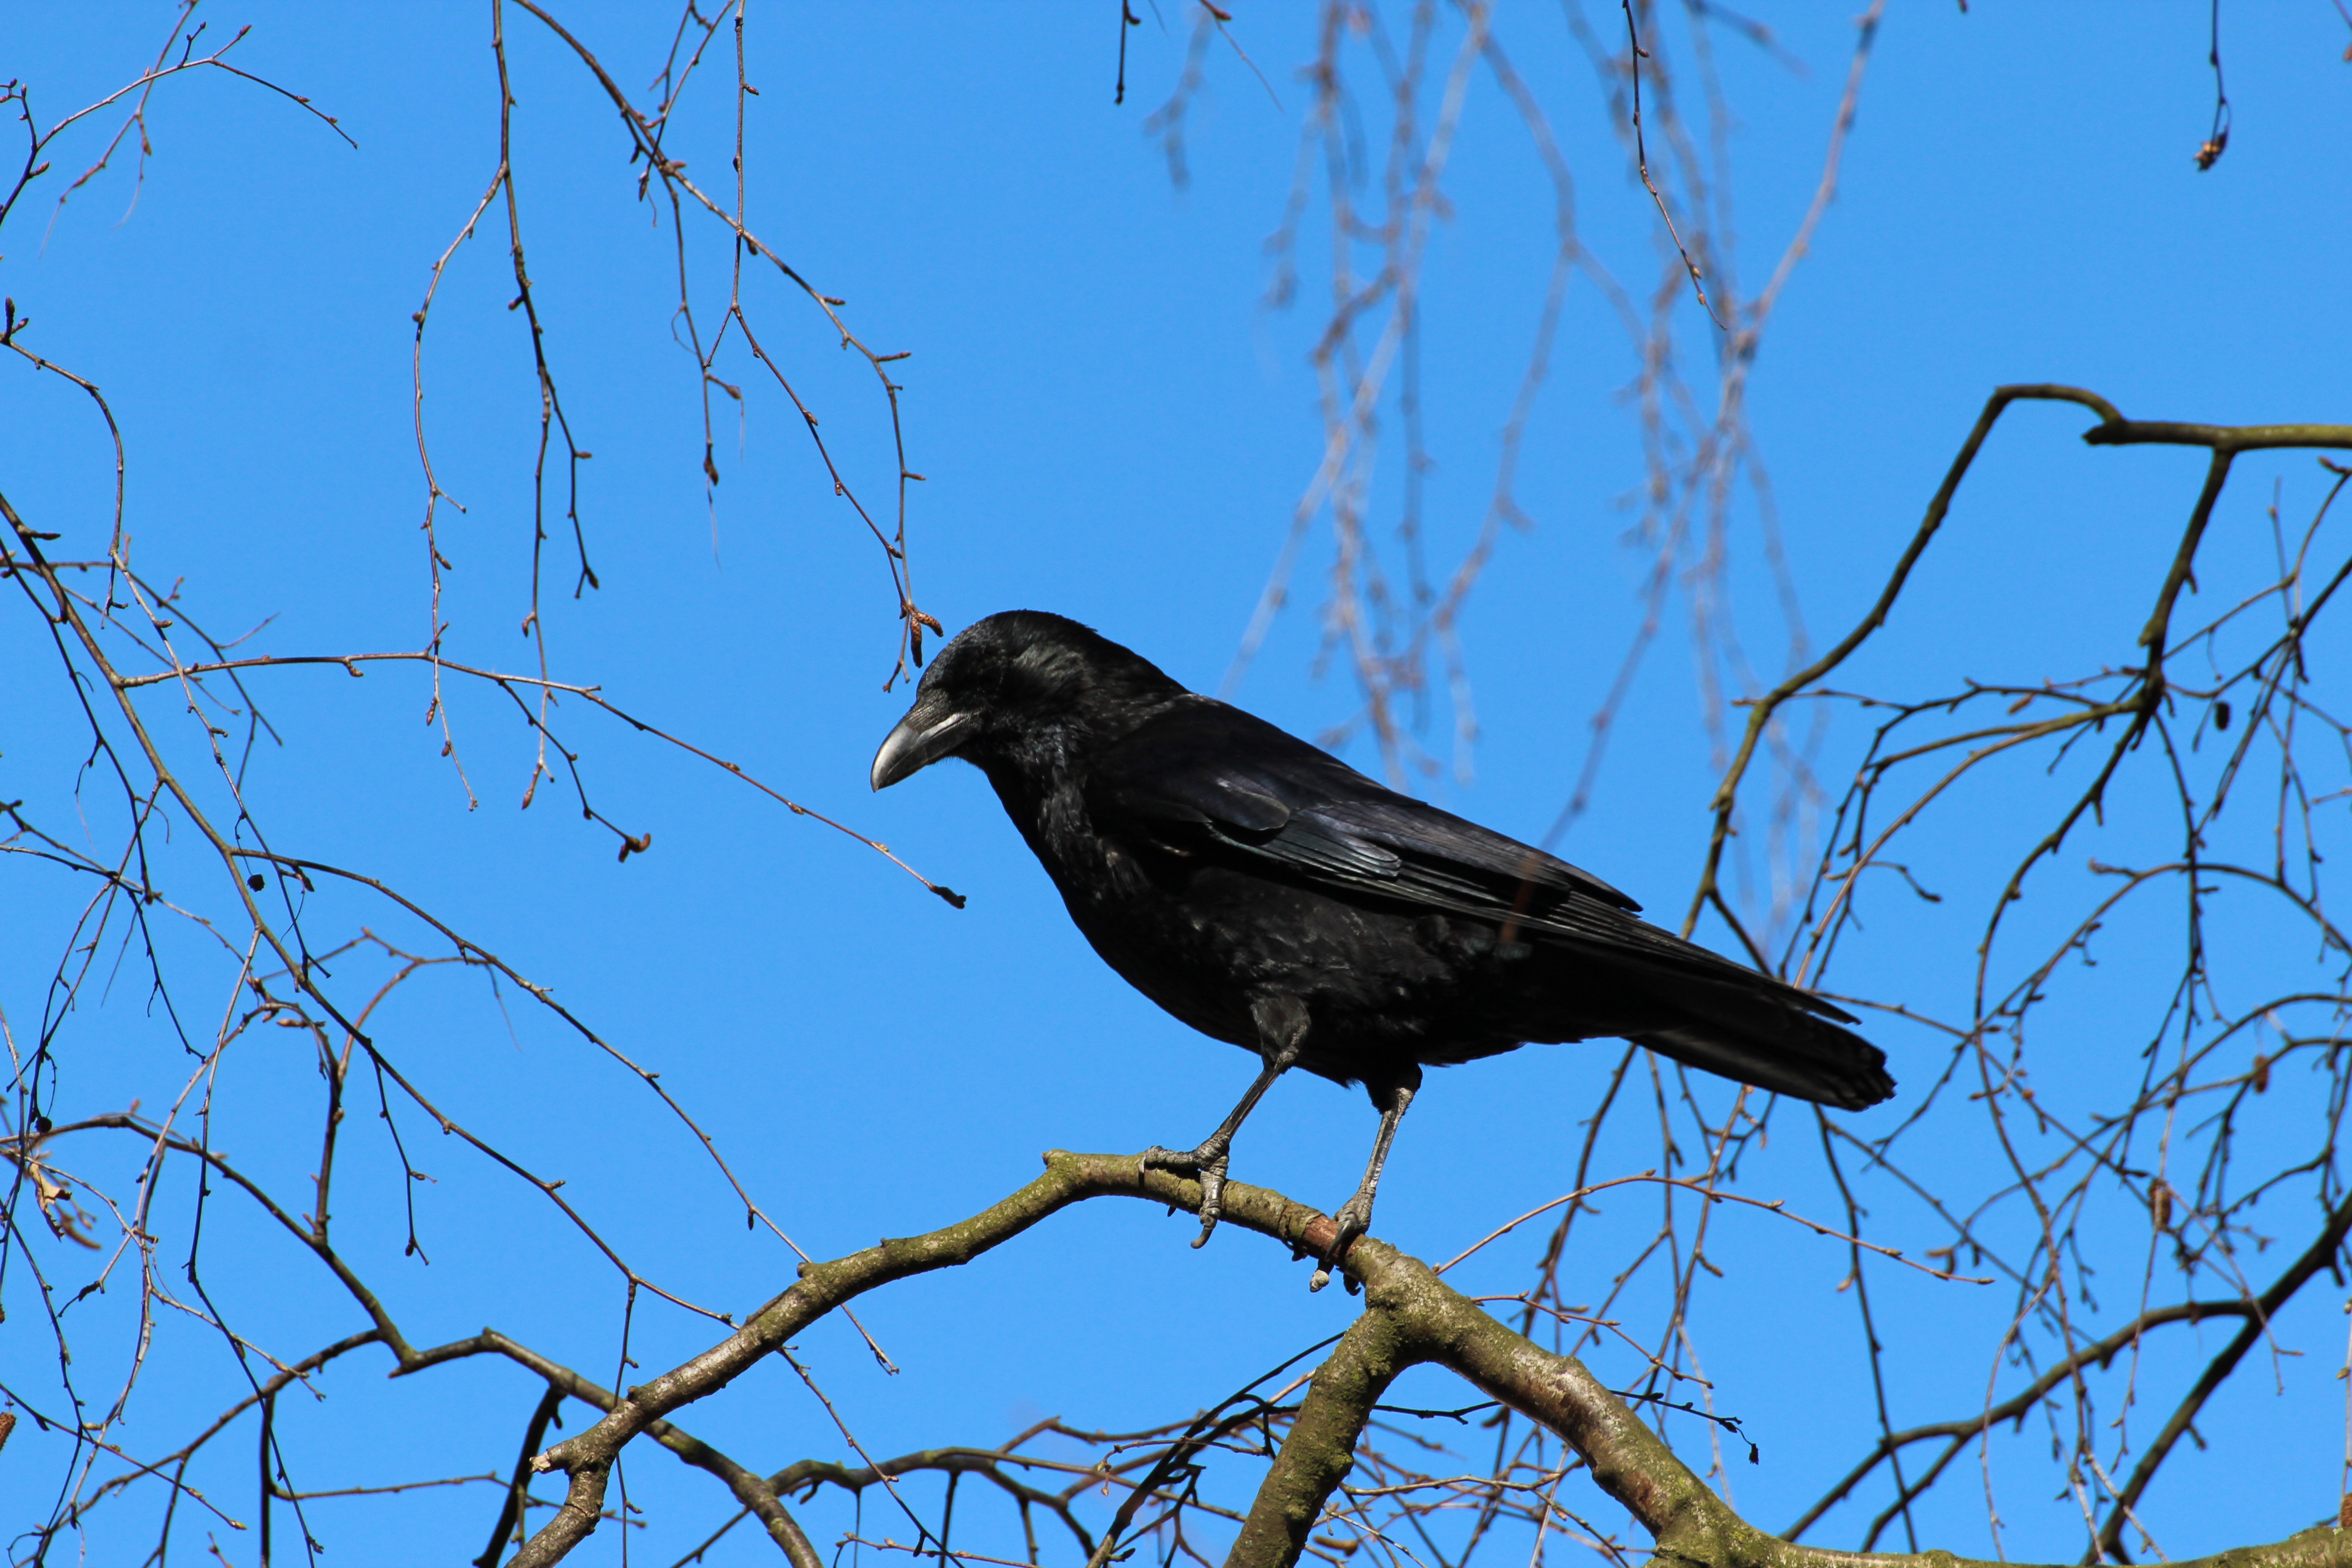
(822, 1287)
(1410, 1316)
(1321, 1448)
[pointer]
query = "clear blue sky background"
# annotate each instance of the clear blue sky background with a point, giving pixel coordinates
(1113, 425)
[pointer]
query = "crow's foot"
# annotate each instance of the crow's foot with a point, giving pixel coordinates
(1209, 1163)
(1354, 1218)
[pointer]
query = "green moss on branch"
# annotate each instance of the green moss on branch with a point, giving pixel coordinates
(1410, 1316)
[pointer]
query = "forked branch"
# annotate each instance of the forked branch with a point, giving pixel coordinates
(1411, 1317)
(2224, 441)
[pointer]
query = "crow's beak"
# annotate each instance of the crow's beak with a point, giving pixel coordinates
(924, 736)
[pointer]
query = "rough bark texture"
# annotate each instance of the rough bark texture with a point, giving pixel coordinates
(1410, 1316)
(1321, 1448)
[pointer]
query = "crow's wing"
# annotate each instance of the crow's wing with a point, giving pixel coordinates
(1206, 767)
(1203, 776)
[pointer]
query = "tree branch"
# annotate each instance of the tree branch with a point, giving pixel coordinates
(1321, 1448)
(2112, 430)
(2320, 1255)
(1410, 1316)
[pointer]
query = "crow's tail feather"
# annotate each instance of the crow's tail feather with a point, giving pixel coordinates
(1770, 1039)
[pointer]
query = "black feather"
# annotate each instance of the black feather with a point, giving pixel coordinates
(1220, 865)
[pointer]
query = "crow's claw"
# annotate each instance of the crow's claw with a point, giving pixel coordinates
(1213, 1191)
(1209, 1166)
(1355, 1216)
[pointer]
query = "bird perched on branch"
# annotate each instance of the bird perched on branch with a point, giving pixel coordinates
(1271, 896)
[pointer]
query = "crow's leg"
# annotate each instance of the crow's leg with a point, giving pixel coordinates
(1282, 1035)
(1391, 1096)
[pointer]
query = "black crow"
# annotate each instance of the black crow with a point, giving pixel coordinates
(1269, 895)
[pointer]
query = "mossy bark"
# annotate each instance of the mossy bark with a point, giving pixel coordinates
(1410, 1316)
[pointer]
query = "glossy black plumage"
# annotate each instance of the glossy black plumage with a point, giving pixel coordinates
(1267, 894)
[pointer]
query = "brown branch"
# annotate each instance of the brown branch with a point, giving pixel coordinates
(1321, 1448)
(36, 165)
(746, 1484)
(1714, 1194)
(1635, 54)
(2113, 430)
(2320, 1254)
(518, 1485)
(1410, 1316)
(349, 663)
(2097, 1354)
(645, 133)
(805, 1475)
(755, 1493)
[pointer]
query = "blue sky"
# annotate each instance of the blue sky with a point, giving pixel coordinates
(1114, 424)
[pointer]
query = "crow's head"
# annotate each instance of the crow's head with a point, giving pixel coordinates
(1018, 680)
